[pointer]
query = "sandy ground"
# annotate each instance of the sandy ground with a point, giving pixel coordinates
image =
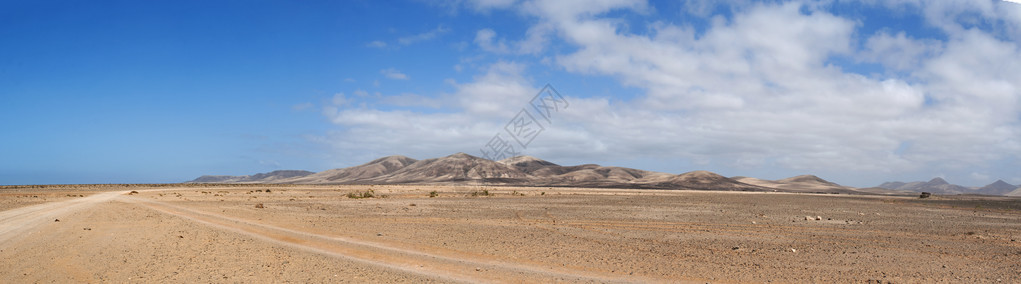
(319, 234)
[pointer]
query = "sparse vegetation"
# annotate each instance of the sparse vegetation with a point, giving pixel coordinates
(365, 194)
(433, 194)
(132, 192)
(484, 192)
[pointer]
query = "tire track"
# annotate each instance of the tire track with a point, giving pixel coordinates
(23, 220)
(432, 265)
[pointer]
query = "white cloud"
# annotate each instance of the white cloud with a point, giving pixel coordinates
(393, 74)
(980, 177)
(423, 36)
(481, 107)
(412, 100)
(535, 41)
(485, 39)
(757, 90)
(899, 51)
(376, 44)
(338, 99)
(486, 5)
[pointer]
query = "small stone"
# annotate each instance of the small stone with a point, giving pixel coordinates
(794, 250)
(478, 269)
(735, 248)
(817, 218)
(58, 220)
(379, 234)
(753, 222)
(87, 229)
(808, 218)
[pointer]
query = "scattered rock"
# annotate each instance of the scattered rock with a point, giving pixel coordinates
(87, 229)
(753, 222)
(379, 234)
(180, 236)
(808, 218)
(478, 269)
(735, 248)
(132, 192)
(268, 191)
(794, 250)
(58, 220)
(259, 205)
(925, 195)
(818, 218)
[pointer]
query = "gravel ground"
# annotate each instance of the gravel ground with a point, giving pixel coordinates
(499, 234)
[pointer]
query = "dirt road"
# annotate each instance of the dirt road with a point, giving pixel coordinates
(477, 234)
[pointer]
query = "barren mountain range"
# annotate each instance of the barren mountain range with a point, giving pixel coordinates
(270, 177)
(462, 168)
(941, 186)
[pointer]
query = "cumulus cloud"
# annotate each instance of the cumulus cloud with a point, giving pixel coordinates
(485, 38)
(423, 36)
(757, 89)
(898, 52)
(393, 74)
(760, 87)
(339, 99)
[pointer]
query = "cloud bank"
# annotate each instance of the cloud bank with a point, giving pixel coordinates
(776, 85)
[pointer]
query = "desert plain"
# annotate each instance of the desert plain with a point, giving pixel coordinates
(475, 233)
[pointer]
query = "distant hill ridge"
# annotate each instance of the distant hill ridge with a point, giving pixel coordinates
(269, 177)
(940, 186)
(461, 168)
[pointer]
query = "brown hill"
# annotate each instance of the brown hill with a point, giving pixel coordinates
(935, 185)
(814, 184)
(270, 177)
(376, 168)
(807, 179)
(1016, 192)
(705, 180)
(999, 187)
(462, 168)
(530, 165)
(456, 167)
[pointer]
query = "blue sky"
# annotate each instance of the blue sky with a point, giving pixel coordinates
(857, 92)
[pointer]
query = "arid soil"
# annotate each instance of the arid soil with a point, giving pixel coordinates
(300, 233)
